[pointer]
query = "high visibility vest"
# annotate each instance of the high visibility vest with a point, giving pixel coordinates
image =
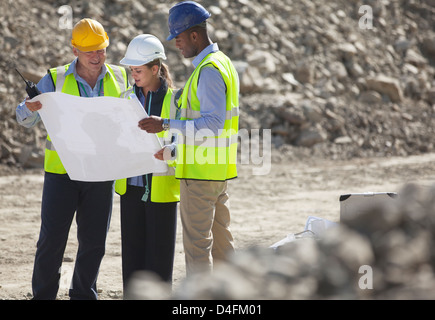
(207, 156)
(114, 82)
(164, 186)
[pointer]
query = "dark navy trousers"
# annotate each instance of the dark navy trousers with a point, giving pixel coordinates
(92, 204)
(148, 233)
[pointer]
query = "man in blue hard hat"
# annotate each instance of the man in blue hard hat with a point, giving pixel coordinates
(207, 148)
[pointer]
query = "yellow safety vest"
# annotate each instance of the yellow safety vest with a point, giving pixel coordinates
(114, 82)
(210, 157)
(164, 186)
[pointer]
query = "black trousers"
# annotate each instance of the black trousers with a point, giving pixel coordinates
(148, 234)
(92, 204)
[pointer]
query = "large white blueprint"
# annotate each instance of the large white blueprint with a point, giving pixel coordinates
(98, 139)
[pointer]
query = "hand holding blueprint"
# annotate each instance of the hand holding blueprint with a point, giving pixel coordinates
(98, 139)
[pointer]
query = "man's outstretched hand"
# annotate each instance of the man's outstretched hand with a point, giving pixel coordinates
(152, 124)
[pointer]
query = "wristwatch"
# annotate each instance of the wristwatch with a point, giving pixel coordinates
(165, 124)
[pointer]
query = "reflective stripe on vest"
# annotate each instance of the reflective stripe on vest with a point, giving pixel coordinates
(164, 186)
(207, 156)
(114, 82)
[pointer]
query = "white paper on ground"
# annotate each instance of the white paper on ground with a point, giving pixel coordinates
(314, 227)
(98, 139)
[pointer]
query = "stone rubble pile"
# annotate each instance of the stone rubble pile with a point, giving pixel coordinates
(325, 79)
(383, 252)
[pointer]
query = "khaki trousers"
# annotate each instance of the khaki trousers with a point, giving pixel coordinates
(205, 216)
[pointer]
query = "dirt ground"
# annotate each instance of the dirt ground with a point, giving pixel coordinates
(264, 210)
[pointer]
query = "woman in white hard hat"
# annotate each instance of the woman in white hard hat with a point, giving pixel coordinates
(149, 202)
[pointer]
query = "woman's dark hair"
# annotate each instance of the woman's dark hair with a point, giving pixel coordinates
(163, 71)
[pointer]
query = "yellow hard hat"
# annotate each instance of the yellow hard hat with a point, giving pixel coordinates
(89, 35)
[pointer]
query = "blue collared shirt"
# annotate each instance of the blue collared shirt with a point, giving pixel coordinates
(211, 94)
(28, 119)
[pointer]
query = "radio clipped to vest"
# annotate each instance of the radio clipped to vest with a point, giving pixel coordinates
(31, 88)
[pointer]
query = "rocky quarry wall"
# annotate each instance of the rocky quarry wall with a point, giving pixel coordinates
(325, 80)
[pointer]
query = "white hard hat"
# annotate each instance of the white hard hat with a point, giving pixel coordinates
(143, 49)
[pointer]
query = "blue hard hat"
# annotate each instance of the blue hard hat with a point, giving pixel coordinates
(185, 15)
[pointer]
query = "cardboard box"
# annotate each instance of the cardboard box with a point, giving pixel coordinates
(353, 203)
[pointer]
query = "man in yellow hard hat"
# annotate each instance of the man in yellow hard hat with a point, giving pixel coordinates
(87, 76)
